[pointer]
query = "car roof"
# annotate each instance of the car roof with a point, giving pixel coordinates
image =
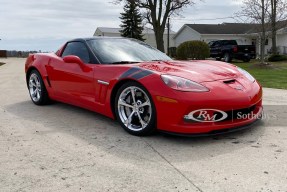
(96, 37)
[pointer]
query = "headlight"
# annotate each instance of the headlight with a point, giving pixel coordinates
(182, 84)
(246, 74)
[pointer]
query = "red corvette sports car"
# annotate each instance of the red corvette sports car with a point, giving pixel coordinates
(144, 89)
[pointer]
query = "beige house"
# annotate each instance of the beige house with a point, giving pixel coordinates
(148, 35)
(243, 33)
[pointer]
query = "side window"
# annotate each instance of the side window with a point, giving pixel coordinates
(79, 49)
(211, 44)
(225, 42)
(216, 44)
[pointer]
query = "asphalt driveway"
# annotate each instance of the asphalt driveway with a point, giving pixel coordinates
(64, 148)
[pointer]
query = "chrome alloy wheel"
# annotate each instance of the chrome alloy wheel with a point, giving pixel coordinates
(134, 108)
(35, 87)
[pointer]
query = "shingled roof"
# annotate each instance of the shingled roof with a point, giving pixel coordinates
(224, 28)
(117, 30)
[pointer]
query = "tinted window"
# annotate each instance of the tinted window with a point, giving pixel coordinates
(79, 49)
(115, 50)
(211, 43)
(216, 44)
(229, 42)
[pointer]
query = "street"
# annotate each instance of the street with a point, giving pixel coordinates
(59, 147)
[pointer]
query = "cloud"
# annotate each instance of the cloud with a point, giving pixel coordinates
(65, 18)
(32, 24)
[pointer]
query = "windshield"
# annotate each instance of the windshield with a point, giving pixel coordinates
(211, 43)
(121, 50)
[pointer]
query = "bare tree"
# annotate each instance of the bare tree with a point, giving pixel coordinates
(277, 14)
(256, 11)
(156, 12)
(273, 15)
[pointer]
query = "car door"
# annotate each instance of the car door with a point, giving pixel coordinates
(215, 49)
(73, 82)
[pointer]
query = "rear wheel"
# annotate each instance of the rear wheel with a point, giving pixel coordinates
(227, 58)
(135, 110)
(37, 89)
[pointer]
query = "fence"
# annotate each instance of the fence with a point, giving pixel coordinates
(3, 53)
(18, 53)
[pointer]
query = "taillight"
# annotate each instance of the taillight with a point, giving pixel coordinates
(235, 49)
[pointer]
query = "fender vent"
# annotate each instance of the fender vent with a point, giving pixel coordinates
(48, 81)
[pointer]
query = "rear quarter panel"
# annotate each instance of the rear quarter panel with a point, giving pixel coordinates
(40, 62)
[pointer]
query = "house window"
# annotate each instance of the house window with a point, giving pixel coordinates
(266, 41)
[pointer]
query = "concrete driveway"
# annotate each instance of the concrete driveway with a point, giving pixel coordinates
(64, 148)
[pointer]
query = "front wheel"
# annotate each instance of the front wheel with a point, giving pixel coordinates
(135, 110)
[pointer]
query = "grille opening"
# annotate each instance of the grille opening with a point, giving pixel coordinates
(233, 114)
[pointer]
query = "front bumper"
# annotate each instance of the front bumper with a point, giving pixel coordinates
(170, 115)
(218, 131)
(215, 128)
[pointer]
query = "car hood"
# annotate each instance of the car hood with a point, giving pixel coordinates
(198, 71)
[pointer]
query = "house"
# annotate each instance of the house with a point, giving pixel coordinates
(243, 33)
(147, 32)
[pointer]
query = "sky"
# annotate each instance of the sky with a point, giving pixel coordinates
(46, 25)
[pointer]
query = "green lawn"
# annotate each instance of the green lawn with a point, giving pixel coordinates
(274, 76)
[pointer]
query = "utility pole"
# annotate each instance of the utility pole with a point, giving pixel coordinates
(168, 29)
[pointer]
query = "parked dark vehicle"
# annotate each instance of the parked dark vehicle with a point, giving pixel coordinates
(229, 49)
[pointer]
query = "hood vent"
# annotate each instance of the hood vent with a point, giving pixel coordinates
(229, 81)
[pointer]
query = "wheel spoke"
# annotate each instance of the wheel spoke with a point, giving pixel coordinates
(33, 93)
(123, 103)
(133, 95)
(129, 119)
(141, 120)
(32, 84)
(38, 94)
(147, 103)
(38, 84)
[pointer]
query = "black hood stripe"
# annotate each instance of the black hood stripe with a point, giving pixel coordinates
(142, 74)
(136, 73)
(129, 72)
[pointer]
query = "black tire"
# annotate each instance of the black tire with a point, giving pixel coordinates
(246, 60)
(227, 58)
(134, 112)
(43, 97)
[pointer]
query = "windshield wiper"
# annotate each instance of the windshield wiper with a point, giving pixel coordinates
(125, 62)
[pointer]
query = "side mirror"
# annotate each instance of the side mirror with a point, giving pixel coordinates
(73, 59)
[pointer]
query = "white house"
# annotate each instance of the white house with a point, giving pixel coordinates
(147, 32)
(244, 34)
